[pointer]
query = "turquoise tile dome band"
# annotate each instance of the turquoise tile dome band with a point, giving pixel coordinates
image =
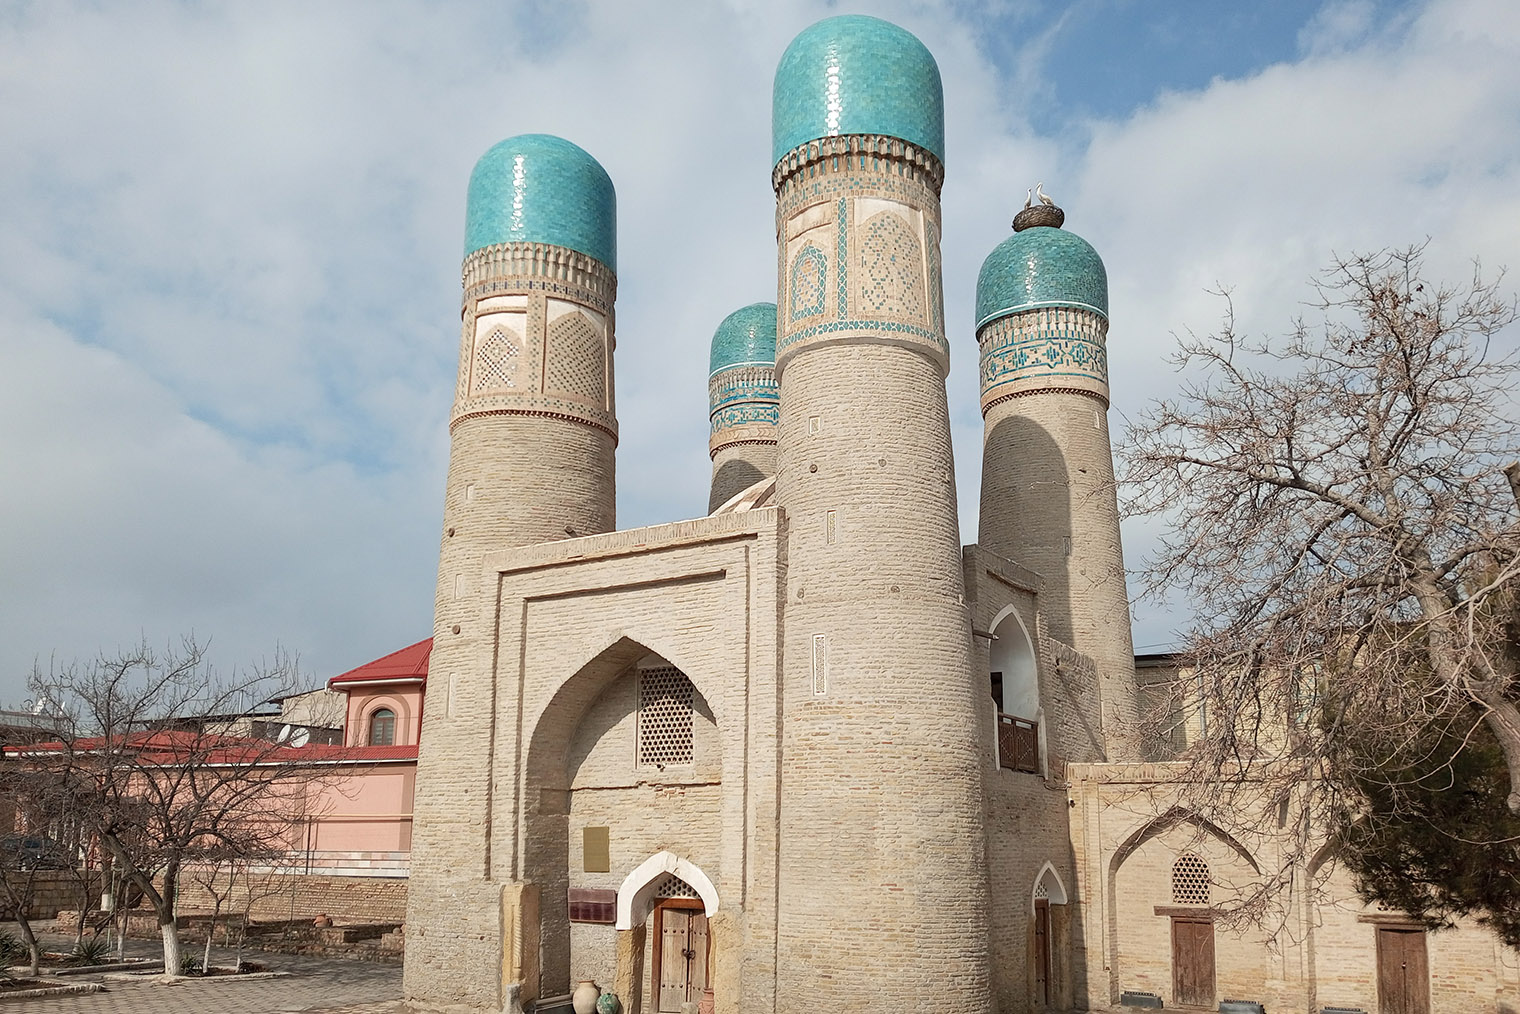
(748, 335)
(855, 74)
(538, 188)
(1039, 267)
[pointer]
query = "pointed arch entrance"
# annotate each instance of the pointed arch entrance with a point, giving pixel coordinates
(623, 760)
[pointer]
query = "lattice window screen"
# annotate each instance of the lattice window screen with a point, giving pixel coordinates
(1040, 890)
(1190, 880)
(672, 886)
(665, 716)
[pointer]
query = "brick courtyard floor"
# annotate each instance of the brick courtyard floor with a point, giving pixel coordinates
(319, 986)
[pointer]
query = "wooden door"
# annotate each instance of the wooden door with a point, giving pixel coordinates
(1192, 962)
(680, 954)
(1403, 974)
(1042, 951)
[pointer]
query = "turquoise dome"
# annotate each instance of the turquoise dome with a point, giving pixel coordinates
(1041, 266)
(855, 74)
(537, 188)
(748, 335)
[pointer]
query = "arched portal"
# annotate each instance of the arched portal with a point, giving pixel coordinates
(624, 776)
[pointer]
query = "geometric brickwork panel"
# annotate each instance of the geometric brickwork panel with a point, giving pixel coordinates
(498, 358)
(809, 280)
(665, 716)
(1190, 880)
(577, 362)
(893, 260)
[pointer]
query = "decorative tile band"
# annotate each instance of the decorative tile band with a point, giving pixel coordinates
(743, 384)
(1044, 348)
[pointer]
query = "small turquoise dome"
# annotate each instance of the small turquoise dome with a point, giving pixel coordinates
(748, 335)
(855, 74)
(537, 188)
(1041, 266)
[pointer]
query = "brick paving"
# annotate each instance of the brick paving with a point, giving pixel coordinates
(318, 986)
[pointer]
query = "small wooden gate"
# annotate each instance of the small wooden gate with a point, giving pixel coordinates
(1403, 974)
(1193, 962)
(680, 954)
(1042, 951)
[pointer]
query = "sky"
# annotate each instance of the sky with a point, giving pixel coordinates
(230, 238)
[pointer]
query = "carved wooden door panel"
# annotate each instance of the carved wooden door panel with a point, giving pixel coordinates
(1193, 962)
(680, 959)
(1042, 951)
(1403, 974)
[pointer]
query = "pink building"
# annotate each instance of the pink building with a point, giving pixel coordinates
(362, 824)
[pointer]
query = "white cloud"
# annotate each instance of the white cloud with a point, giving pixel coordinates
(228, 256)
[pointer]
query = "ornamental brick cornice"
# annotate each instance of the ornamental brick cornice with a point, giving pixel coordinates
(868, 152)
(524, 267)
(526, 405)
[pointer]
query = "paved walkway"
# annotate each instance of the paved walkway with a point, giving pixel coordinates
(325, 985)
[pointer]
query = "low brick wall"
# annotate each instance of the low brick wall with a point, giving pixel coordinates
(52, 892)
(306, 895)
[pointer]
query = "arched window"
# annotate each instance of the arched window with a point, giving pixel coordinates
(1015, 687)
(382, 728)
(1190, 880)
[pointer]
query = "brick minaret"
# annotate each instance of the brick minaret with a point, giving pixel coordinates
(1048, 497)
(882, 850)
(531, 460)
(741, 393)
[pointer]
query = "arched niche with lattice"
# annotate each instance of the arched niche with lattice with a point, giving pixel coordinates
(665, 734)
(1190, 880)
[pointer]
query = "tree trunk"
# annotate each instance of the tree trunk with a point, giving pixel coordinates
(210, 932)
(1503, 720)
(168, 928)
(33, 948)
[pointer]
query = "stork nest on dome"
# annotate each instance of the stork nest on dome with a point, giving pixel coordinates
(1045, 213)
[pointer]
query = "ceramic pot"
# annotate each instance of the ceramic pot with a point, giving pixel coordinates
(609, 1004)
(585, 996)
(706, 1006)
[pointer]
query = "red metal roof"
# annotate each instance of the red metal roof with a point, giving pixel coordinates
(409, 663)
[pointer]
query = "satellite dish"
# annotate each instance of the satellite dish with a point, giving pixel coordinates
(284, 734)
(300, 737)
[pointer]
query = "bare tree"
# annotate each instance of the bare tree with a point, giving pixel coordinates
(157, 774)
(1340, 518)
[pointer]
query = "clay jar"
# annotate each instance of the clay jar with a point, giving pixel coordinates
(585, 996)
(706, 1006)
(609, 1004)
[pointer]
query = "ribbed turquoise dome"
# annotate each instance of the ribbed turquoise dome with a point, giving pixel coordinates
(1041, 266)
(855, 74)
(538, 188)
(748, 335)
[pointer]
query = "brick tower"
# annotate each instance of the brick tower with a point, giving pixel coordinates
(882, 845)
(741, 393)
(1048, 497)
(531, 460)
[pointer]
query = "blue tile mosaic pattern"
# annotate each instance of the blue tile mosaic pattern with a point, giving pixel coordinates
(748, 335)
(538, 188)
(1038, 267)
(855, 74)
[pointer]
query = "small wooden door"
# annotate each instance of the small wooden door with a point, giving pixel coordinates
(1042, 951)
(680, 954)
(1403, 975)
(1193, 962)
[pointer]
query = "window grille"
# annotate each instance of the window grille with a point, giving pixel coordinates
(672, 886)
(1190, 880)
(665, 716)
